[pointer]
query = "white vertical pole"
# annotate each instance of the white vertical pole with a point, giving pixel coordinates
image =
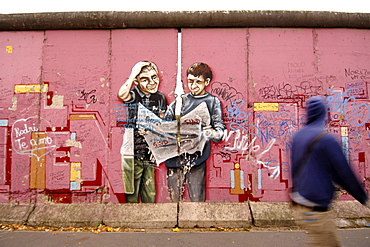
(179, 90)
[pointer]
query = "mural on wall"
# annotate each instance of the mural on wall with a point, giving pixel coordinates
(193, 121)
(137, 159)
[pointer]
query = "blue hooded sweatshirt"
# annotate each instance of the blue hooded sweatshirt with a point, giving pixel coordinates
(325, 165)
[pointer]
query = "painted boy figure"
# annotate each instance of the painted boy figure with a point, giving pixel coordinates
(137, 160)
(190, 169)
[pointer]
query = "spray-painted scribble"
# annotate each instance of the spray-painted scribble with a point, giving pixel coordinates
(288, 91)
(355, 113)
(29, 137)
(88, 97)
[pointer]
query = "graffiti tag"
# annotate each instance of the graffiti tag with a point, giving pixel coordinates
(27, 137)
(88, 97)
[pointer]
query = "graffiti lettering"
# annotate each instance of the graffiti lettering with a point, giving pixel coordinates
(26, 130)
(225, 156)
(338, 102)
(274, 171)
(224, 91)
(288, 91)
(356, 89)
(362, 74)
(160, 143)
(242, 144)
(27, 137)
(88, 97)
(192, 121)
(240, 117)
(252, 148)
(41, 141)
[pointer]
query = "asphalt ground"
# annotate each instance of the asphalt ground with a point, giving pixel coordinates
(359, 237)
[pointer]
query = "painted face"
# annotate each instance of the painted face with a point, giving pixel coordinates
(197, 84)
(148, 81)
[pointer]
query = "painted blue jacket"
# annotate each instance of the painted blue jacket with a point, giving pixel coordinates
(325, 165)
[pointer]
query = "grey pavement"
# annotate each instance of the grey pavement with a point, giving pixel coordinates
(350, 214)
(164, 217)
(359, 237)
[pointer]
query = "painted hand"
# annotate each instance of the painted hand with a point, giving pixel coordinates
(142, 132)
(135, 71)
(210, 132)
(367, 204)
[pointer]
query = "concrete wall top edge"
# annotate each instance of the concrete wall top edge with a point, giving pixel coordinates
(182, 19)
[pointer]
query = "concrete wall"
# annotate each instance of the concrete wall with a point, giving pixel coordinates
(62, 125)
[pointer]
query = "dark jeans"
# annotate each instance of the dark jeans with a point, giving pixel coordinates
(194, 179)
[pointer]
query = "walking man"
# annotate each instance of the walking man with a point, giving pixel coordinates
(318, 163)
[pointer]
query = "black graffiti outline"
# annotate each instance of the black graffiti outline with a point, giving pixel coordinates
(85, 96)
(287, 90)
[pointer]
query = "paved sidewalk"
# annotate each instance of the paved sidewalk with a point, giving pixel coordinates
(255, 238)
(350, 214)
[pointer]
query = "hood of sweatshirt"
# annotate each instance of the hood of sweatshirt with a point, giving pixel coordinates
(316, 110)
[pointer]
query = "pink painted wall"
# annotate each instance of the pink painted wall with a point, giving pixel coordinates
(63, 86)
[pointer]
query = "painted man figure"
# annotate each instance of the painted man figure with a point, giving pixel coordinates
(318, 163)
(138, 167)
(190, 169)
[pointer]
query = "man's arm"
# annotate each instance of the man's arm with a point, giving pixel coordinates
(343, 173)
(124, 92)
(215, 131)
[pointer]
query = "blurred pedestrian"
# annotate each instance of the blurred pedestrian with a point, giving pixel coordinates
(318, 165)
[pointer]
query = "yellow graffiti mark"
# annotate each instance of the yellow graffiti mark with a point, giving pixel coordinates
(9, 49)
(266, 106)
(75, 172)
(35, 88)
(82, 117)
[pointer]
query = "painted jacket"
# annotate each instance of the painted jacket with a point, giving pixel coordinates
(325, 165)
(190, 102)
(155, 102)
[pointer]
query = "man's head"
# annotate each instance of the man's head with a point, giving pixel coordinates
(147, 78)
(199, 76)
(316, 110)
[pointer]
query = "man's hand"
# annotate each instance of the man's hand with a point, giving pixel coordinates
(142, 132)
(367, 203)
(124, 91)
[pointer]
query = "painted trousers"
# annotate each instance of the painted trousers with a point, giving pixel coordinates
(139, 180)
(193, 179)
(320, 226)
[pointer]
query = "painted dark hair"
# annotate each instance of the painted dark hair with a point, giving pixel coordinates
(198, 69)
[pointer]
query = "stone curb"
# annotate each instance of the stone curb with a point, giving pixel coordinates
(272, 214)
(141, 215)
(214, 214)
(169, 215)
(15, 214)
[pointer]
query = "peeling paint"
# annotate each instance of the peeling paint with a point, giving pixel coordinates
(73, 143)
(14, 104)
